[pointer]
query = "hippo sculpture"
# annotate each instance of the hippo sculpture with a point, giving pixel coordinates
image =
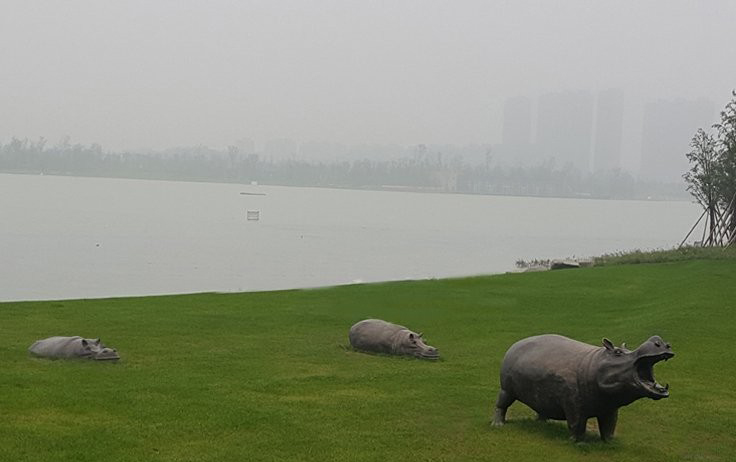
(564, 379)
(380, 336)
(73, 347)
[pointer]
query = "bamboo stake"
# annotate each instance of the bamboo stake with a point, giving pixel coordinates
(716, 229)
(706, 226)
(730, 229)
(691, 229)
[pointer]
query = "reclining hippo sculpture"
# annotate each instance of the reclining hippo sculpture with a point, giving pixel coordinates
(564, 379)
(73, 347)
(380, 336)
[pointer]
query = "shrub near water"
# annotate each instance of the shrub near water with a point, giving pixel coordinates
(664, 256)
(267, 376)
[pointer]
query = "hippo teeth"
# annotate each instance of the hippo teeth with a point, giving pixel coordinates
(645, 373)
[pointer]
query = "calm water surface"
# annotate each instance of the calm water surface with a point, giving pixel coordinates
(68, 237)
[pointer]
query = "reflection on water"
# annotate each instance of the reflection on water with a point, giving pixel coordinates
(67, 237)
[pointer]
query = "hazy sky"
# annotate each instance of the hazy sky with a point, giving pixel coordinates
(131, 74)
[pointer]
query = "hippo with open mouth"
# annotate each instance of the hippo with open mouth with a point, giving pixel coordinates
(380, 336)
(564, 379)
(73, 347)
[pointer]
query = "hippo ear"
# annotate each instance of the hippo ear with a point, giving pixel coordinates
(84, 342)
(608, 344)
(411, 335)
(97, 342)
(420, 334)
(623, 346)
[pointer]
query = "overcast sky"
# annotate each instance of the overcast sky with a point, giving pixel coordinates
(133, 74)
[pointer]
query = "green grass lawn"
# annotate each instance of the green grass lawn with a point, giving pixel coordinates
(268, 376)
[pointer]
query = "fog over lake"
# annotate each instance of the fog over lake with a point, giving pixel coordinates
(69, 237)
(107, 108)
(598, 85)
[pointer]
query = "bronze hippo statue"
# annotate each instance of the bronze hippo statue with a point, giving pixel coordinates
(564, 379)
(73, 347)
(379, 336)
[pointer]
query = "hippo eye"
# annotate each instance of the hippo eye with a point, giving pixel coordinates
(657, 344)
(617, 352)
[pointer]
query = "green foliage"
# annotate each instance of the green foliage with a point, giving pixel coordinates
(712, 176)
(267, 376)
(703, 176)
(727, 144)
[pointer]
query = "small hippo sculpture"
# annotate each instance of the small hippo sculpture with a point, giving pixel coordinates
(73, 347)
(564, 379)
(380, 336)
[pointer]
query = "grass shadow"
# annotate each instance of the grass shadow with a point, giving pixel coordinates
(557, 431)
(349, 349)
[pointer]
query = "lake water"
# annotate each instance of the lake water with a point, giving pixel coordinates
(69, 237)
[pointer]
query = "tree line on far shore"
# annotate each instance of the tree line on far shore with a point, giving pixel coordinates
(419, 171)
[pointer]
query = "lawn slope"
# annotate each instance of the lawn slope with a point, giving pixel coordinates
(267, 376)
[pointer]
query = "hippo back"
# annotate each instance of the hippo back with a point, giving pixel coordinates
(534, 356)
(384, 337)
(374, 335)
(72, 347)
(539, 370)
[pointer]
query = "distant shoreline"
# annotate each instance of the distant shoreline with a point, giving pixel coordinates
(386, 188)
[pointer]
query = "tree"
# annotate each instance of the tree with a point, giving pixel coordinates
(712, 178)
(703, 177)
(727, 168)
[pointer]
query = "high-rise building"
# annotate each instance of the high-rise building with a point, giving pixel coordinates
(668, 127)
(517, 130)
(321, 150)
(564, 128)
(282, 148)
(608, 130)
(517, 121)
(245, 146)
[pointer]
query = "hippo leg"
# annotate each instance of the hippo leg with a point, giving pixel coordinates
(505, 399)
(576, 424)
(607, 424)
